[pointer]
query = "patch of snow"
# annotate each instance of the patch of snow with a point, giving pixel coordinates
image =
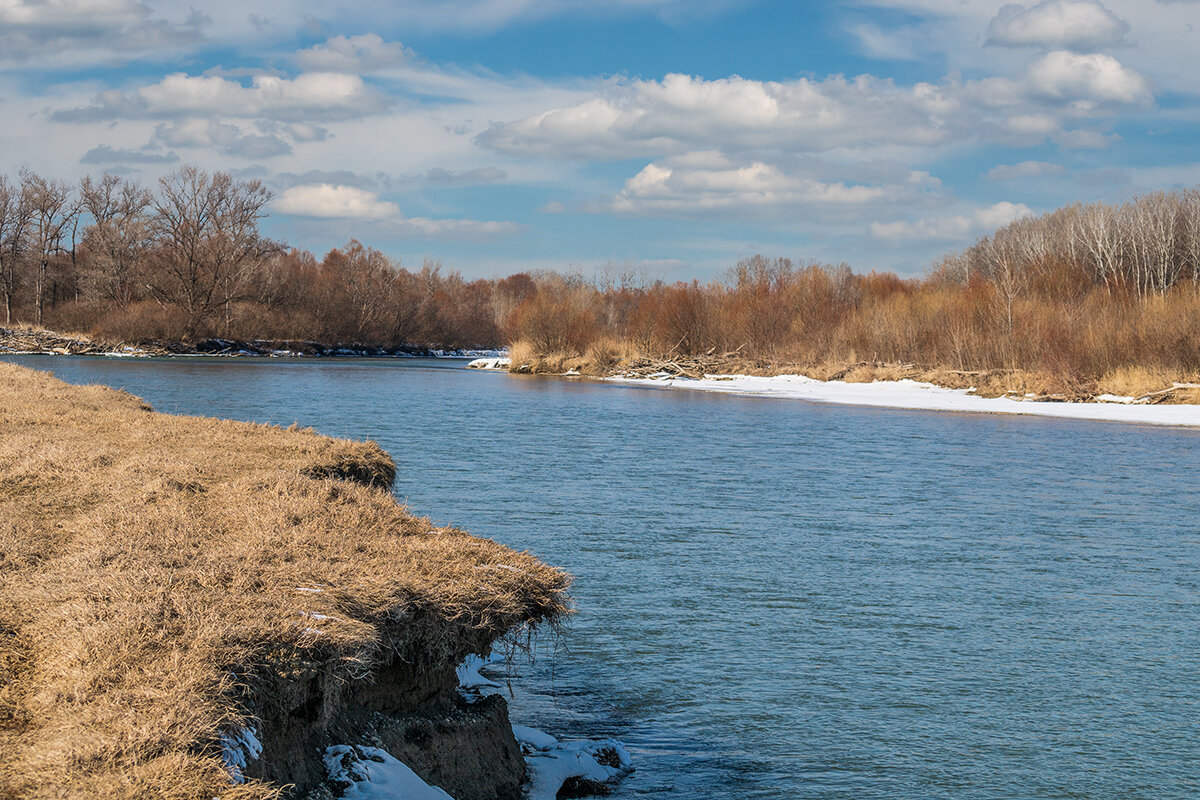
(533, 738)
(238, 748)
(596, 765)
(307, 589)
(1114, 398)
(469, 677)
(490, 363)
(478, 353)
(358, 772)
(909, 394)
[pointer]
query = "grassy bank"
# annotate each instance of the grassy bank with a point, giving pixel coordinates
(156, 570)
(609, 358)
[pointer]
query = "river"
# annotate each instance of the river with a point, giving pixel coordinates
(781, 599)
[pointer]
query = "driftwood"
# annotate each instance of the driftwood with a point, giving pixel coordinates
(1163, 395)
(31, 341)
(673, 365)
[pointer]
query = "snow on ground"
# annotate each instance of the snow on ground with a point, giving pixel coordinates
(592, 765)
(359, 772)
(911, 394)
(238, 748)
(490, 363)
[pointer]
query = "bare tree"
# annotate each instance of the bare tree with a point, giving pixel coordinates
(1189, 235)
(1001, 261)
(14, 232)
(119, 236)
(52, 212)
(1097, 234)
(207, 243)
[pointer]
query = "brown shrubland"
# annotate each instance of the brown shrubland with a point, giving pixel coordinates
(150, 567)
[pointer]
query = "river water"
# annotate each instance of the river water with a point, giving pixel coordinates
(780, 599)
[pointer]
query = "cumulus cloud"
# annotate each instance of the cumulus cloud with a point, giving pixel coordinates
(1087, 80)
(72, 27)
(951, 228)
(335, 202)
(1053, 24)
(1025, 169)
(224, 137)
(332, 201)
(309, 96)
(354, 54)
(680, 112)
(706, 181)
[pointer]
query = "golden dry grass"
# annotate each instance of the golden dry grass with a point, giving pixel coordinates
(150, 563)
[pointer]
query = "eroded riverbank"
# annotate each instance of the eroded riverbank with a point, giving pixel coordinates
(200, 607)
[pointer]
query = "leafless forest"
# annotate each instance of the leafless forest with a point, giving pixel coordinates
(1077, 293)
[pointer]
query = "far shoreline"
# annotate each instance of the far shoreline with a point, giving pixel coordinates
(20, 341)
(904, 394)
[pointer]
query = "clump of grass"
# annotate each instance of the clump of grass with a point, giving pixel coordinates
(150, 563)
(1130, 381)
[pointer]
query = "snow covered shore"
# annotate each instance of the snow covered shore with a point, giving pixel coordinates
(910, 394)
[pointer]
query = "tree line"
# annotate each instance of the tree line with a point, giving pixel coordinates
(1076, 292)
(1074, 295)
(186, 259)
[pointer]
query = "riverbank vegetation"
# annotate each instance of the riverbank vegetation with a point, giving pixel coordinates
(157, 572)
(1088, 299)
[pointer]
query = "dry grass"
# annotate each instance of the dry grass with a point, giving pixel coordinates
(149, 564)
(601, 358)
(1135, 381)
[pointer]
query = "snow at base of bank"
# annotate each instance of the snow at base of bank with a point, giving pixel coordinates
(585, 767)
(490, 363)
(590, 767)
(909, 394)
(369, 773)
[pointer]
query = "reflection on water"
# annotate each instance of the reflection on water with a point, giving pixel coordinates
(780, 599)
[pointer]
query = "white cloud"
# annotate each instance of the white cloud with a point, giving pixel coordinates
(1087, 80)
(890, 45)
(682, 112)
(437, 228)
(1025, 169)
(104, 154)
(703, 182)
(475, 175)
(354, 54)
(951, 228)
(223, 137)
(1083, 139)
(337, 202)
(330, 201)
(1053, 24)
(309, 96)
(76, 28)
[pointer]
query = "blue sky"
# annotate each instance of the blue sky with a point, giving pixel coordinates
(671, 137)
